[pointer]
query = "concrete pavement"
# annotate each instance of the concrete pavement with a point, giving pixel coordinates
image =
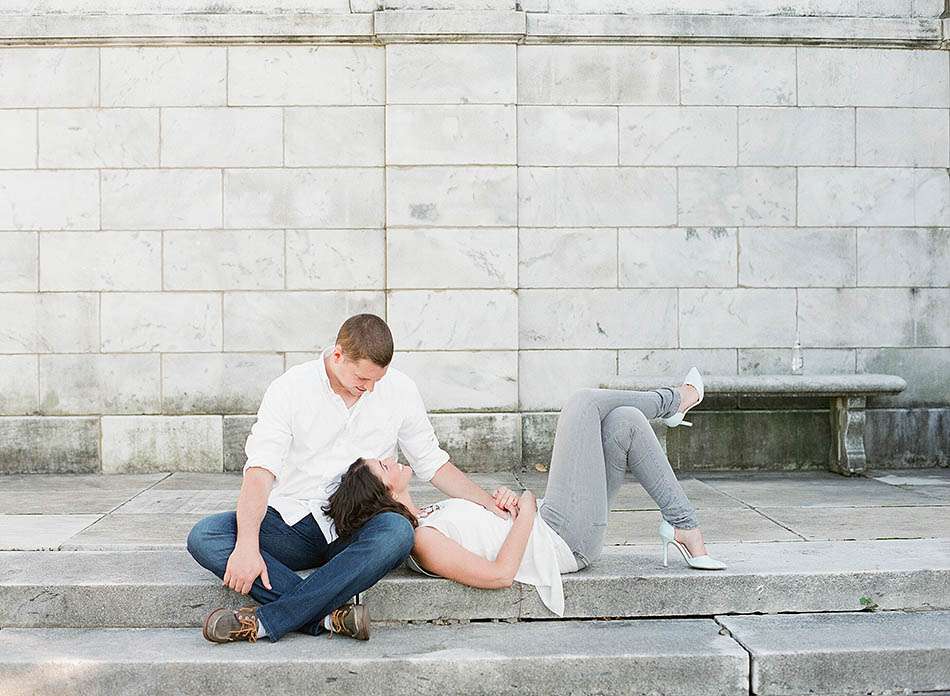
(98, 595)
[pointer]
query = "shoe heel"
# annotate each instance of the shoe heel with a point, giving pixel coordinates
(694, 379)
(676, 420)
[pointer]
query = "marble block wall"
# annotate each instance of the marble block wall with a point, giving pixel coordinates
(180, 224)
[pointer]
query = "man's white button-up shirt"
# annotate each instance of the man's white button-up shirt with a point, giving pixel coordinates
(307, 437)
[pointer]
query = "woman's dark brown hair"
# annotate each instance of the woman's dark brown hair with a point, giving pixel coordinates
(359, 496)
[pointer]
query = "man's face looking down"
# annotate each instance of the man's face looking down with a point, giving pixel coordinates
(356, 377)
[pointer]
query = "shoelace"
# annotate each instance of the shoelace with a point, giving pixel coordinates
(248, 629)
(336, 621)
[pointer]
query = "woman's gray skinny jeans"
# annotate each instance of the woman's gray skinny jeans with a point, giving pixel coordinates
(600, 433)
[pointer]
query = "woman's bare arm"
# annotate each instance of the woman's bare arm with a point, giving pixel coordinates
(440, 555)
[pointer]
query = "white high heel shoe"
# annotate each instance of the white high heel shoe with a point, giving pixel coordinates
(705, 562)
(695, 380)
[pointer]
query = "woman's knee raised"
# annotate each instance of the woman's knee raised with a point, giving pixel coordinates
(579, 401)
(625, 423)
(582, 396)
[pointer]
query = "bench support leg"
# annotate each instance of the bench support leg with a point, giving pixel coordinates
(847, 430)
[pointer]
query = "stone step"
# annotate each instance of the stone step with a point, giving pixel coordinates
(167, 588)
(687, 657)
(777, 655)
(888, 652)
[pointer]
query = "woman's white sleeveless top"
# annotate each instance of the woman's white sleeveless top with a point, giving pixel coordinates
(483, 533)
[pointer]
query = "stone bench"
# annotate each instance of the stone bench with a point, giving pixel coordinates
(848, 395)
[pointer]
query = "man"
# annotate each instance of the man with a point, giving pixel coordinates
(314, 421)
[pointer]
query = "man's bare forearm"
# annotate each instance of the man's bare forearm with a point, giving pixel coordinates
(455, 484)
(252, 504)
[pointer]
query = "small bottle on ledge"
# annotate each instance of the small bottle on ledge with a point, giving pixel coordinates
(798, 359)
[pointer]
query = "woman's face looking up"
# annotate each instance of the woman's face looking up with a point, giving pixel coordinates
(394, 475)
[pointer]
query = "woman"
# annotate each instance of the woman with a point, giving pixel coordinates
(600, 433)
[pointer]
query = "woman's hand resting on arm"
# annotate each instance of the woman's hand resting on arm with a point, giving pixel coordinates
(443, 556)
(527, 504)
(509, 501)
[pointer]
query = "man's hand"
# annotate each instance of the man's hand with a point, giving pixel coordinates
(455, 484)
(244, 566)
(501, 512)
(245, 563)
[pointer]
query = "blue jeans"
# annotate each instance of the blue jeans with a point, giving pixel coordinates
(344, 568)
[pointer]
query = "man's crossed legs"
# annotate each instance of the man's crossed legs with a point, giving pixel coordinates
(343, 568)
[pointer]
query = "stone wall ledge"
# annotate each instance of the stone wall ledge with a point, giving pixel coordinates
(680, 28)
(407, 25)
(186, 27)
(464, 26)
(827, 8)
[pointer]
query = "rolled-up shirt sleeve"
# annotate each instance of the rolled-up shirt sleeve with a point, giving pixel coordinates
(417, 439)
(269, 442)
